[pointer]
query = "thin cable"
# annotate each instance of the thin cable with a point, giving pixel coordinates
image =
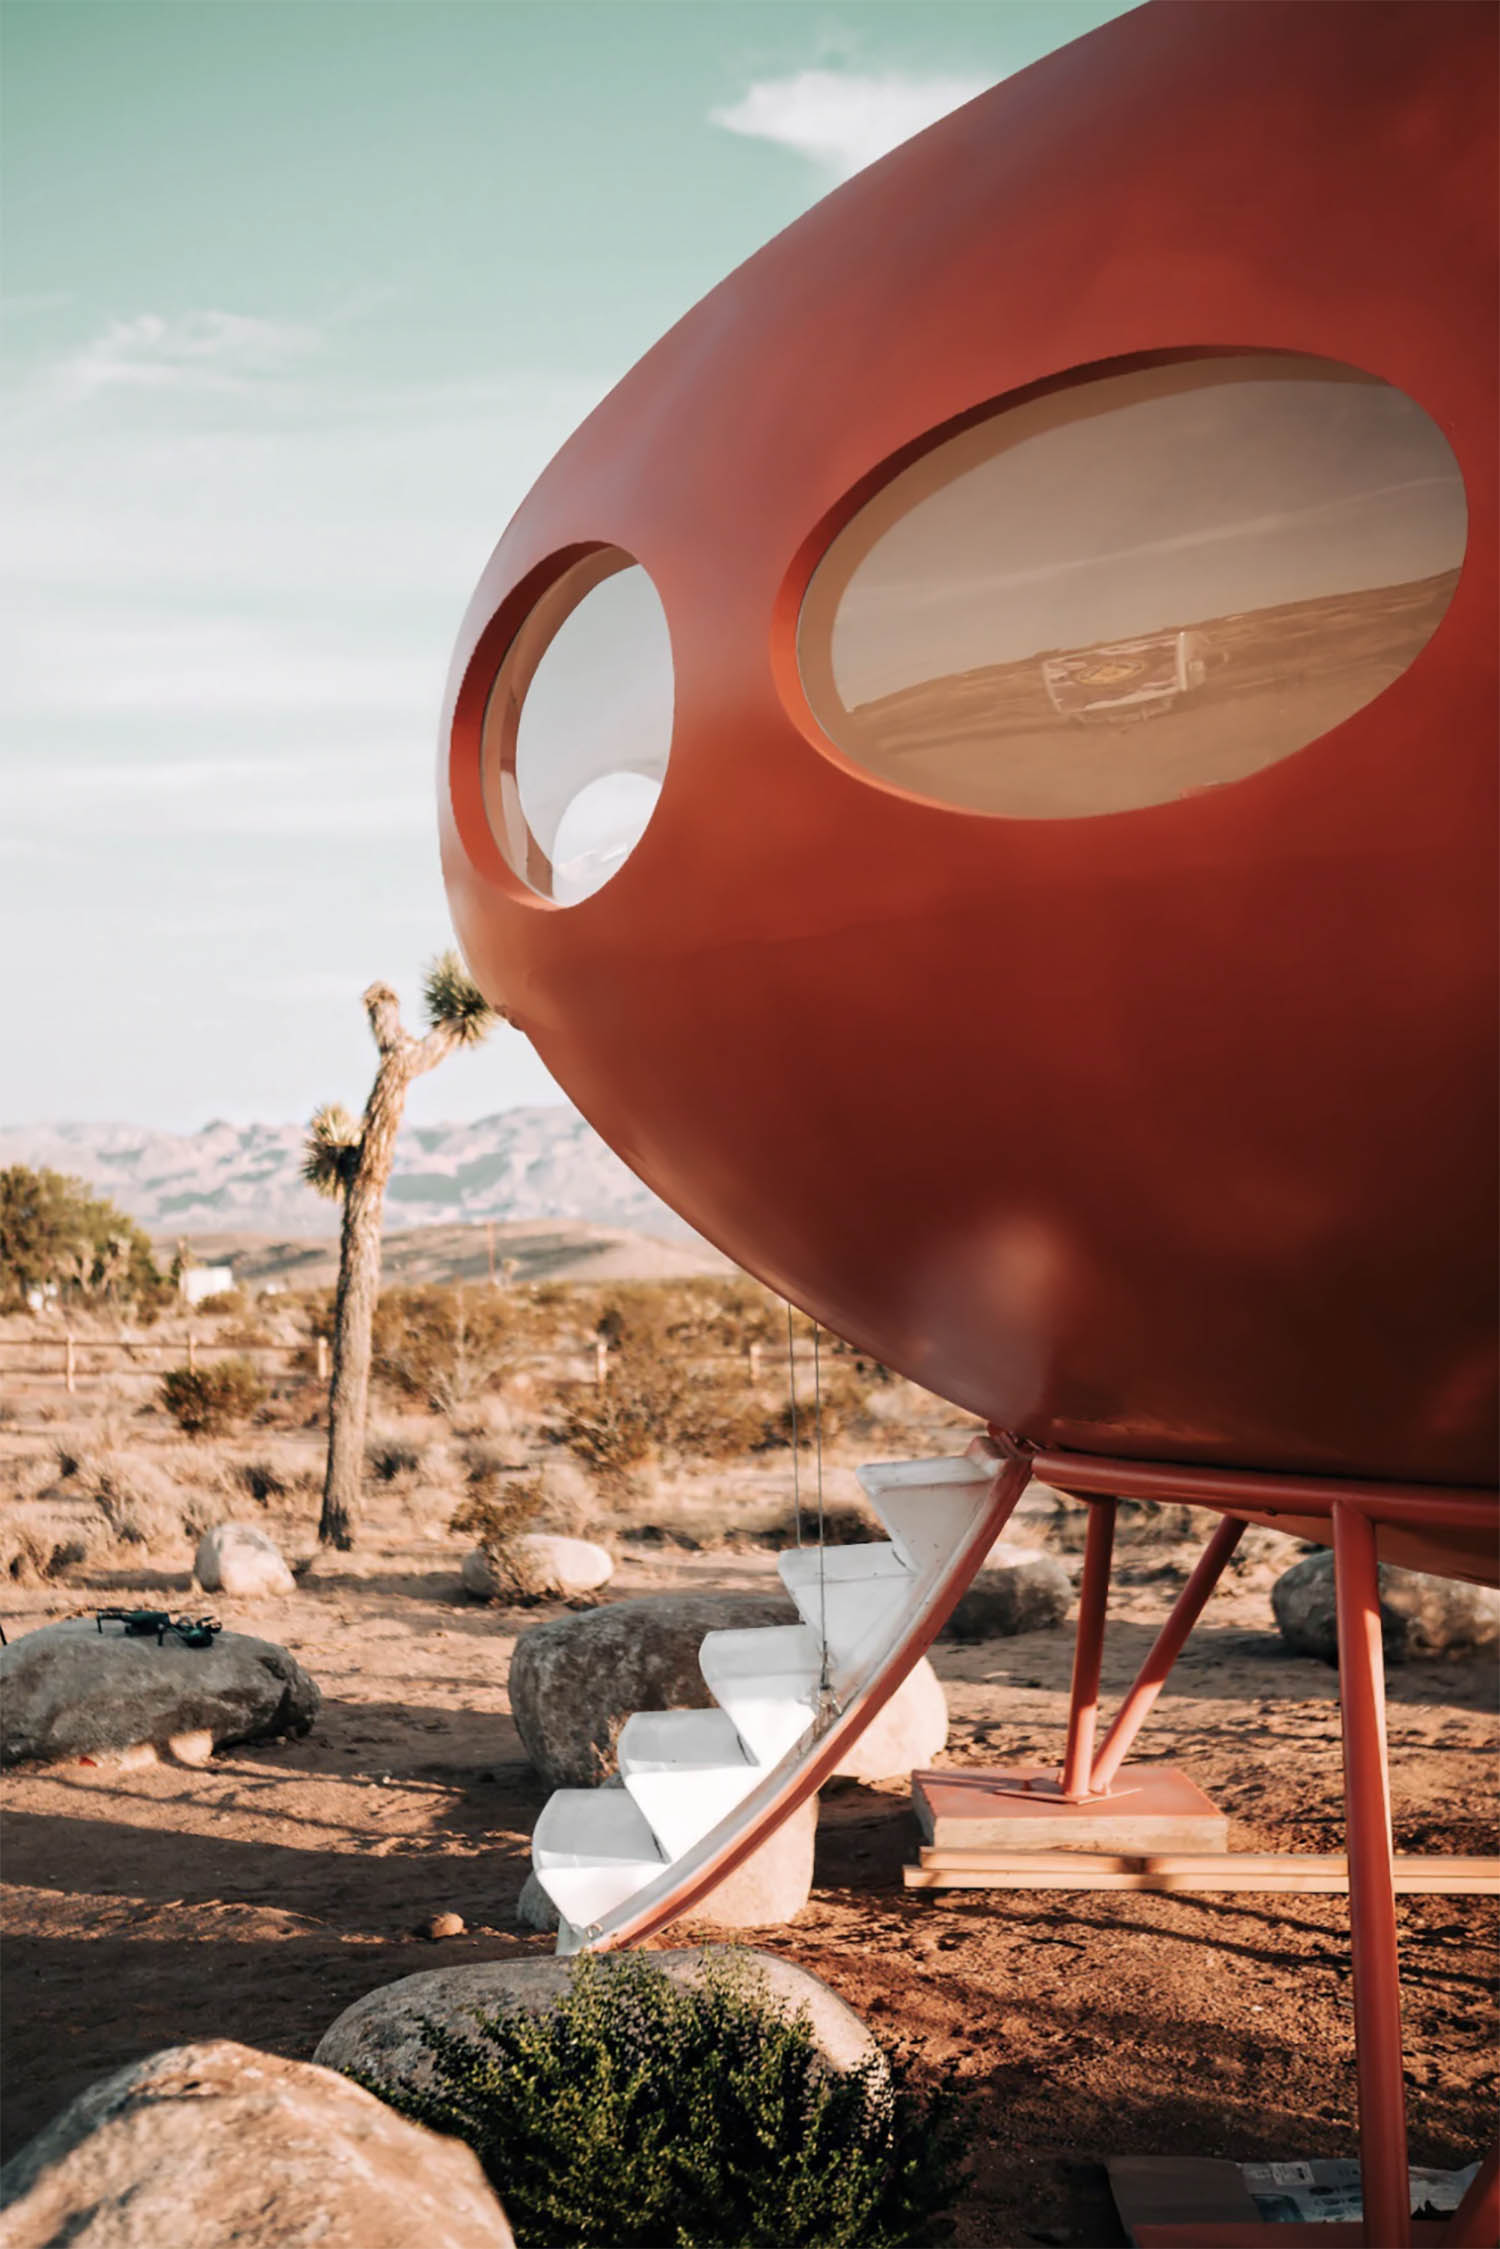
(825, 1683)
(791, 1380)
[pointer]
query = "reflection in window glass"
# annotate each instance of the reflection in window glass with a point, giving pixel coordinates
(1136, 586)
(578, 727)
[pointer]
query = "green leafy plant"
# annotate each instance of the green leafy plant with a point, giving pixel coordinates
(640, 2113)
(58, 1237)
(206, 1401)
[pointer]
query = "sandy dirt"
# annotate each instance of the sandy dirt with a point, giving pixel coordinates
(256, 1898)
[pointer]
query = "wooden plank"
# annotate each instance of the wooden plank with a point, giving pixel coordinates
(1205, 1862)
(1081, 1876)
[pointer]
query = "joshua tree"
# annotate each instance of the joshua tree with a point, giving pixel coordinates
(350, 1163)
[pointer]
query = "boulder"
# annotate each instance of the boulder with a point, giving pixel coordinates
(216, 2144)
(1020, 1589)
(69, 1690)
(906, 1734)
(538, 1562)
(380, 2035)
(576, 1679)
(1419, 1614)
(534, 1909)
(239, 1559)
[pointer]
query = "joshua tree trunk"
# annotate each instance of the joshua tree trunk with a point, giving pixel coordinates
(402, 1058)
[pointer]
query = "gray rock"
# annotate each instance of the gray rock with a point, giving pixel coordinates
(1419, 1614)
(215, 2144)
(538, 1562)
(70, 1691)
(576, 1679)
(380, 2035)
(1020, 1589)
(534, 1909)
(241, 1560)
(906, 1735)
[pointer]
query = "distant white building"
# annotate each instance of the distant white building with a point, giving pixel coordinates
(198, 1281)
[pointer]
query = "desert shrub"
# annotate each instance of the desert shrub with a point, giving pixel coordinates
(844, 1401)
(387, 1458)
(224, 1303)
(140, 1506)
(262, 1479)
(495, 1511)
(25, 1553)
(442, 1345)
(654, 1404)
(206, 1401)
(638, 2112)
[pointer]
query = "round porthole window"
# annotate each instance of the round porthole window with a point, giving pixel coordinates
(578, 727)
(1135, 586)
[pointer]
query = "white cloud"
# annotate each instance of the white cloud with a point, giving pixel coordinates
(205, 351)
(843, 120)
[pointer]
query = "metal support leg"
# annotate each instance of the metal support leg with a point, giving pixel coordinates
(1088, 1651)
(1372, 1897)
(1152, 1677)
(1475, 2224)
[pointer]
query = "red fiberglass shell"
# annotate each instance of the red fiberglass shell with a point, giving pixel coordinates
(1167, 1133)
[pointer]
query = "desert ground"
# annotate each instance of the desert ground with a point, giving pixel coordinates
(150, 1903)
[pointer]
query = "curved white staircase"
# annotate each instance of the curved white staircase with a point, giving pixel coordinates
(703, 1788)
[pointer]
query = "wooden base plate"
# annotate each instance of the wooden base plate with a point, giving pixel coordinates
(1150, 1809)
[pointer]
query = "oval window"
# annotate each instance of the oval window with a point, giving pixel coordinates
(578, 727)
(1135, 586)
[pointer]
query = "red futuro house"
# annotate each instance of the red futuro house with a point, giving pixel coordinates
(975, 768)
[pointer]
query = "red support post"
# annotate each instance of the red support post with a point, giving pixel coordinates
(1475, 2224)
(1088, 1650)
(1152, 1676)
(1372, 1896)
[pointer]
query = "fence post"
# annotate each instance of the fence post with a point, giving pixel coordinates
(192, 1351)
(322, 1358)
(753, 1354)
(68, 1362)
(601, 1363)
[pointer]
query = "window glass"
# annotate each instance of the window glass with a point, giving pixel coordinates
(578, 727)
(1135, 586)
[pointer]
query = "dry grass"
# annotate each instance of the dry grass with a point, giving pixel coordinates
(486, 1419)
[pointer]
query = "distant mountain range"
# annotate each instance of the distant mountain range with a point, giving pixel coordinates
(543, 1163)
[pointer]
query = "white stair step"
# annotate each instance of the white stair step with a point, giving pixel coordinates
(928, 1506)
(767, 1680)
(654, 1741)
(687, 1770)
(592, 1850)
(856, 1595)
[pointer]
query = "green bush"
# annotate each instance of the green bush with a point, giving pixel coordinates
(205, 1401)
(56, 1234)
(639, 2113)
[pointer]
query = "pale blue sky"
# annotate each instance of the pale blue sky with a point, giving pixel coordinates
(300, 296)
